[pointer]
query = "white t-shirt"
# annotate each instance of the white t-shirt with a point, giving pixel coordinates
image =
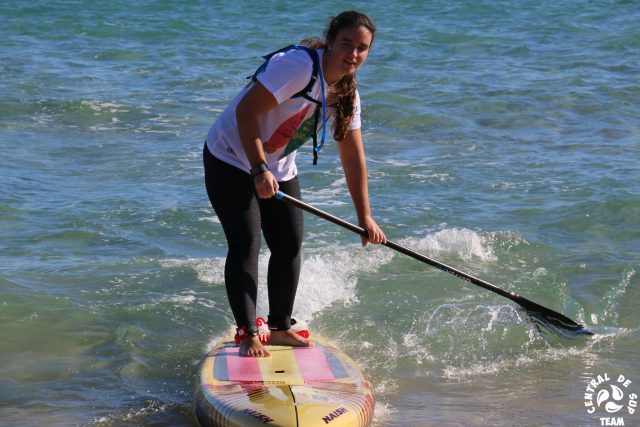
(284, 128)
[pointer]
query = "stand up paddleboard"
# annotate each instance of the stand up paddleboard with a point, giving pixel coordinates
(314, 386)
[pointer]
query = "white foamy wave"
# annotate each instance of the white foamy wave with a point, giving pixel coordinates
(534, 356)
(470, 340)
(179, 300)
(106, 128)
(424, 177)
(614, 296)
(540, 271)
(334, 195)
(466, 243)
(383, 411)
(104, 106)
(211, 218)
(328, 275)
(214, 341)
(209, 270)
(397, 163)
(136, 415)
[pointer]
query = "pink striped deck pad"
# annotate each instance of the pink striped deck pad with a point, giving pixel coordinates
(241, 368)
(313, 365)
(307, 364)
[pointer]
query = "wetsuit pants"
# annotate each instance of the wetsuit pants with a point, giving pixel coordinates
(243, 216)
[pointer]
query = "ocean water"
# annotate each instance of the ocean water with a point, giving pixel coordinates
(502, 138)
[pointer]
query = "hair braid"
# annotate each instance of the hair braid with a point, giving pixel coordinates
(343, 99)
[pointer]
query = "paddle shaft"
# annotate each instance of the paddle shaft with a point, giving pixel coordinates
(557, 318)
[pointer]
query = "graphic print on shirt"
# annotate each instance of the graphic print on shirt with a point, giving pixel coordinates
(285, 132)
(304, 133)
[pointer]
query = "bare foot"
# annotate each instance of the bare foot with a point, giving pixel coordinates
(288, 338)
(252, 347)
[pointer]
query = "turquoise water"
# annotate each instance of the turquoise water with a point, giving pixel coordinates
(502, 137)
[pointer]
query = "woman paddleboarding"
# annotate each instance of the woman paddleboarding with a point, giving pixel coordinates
(249, 155)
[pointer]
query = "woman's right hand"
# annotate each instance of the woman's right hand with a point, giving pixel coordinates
(266, 185)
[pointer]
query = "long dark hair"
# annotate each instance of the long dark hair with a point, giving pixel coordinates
(343, 95)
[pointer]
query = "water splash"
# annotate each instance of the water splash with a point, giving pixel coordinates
(209, 270)
(328, 275)
(614, 296)
(465, 341)
(465, 243)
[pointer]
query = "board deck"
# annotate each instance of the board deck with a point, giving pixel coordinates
(315, 386)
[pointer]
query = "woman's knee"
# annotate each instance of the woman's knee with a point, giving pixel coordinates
(288, 247)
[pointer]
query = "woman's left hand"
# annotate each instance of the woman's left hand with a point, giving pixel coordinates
(375, 233)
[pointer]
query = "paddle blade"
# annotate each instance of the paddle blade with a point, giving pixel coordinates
(561, 328)
(550, 319)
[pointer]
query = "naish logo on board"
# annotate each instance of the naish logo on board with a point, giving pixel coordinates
(604, 393)
(333, 415)
(257, 415)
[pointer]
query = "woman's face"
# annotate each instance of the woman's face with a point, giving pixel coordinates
(349, 50)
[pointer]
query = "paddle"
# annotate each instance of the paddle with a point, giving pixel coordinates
(555, 321)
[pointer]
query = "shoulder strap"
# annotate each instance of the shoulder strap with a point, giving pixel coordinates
(313, 54)
(320, 105)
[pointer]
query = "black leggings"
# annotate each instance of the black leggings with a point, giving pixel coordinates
(243, 214)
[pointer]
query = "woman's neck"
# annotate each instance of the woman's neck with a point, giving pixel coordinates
(330, 76)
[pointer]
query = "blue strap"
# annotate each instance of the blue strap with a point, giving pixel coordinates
(324, 112)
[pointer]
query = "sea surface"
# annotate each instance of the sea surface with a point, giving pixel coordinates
(503, 138)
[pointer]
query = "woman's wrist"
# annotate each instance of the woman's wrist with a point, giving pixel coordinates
(258, 169)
